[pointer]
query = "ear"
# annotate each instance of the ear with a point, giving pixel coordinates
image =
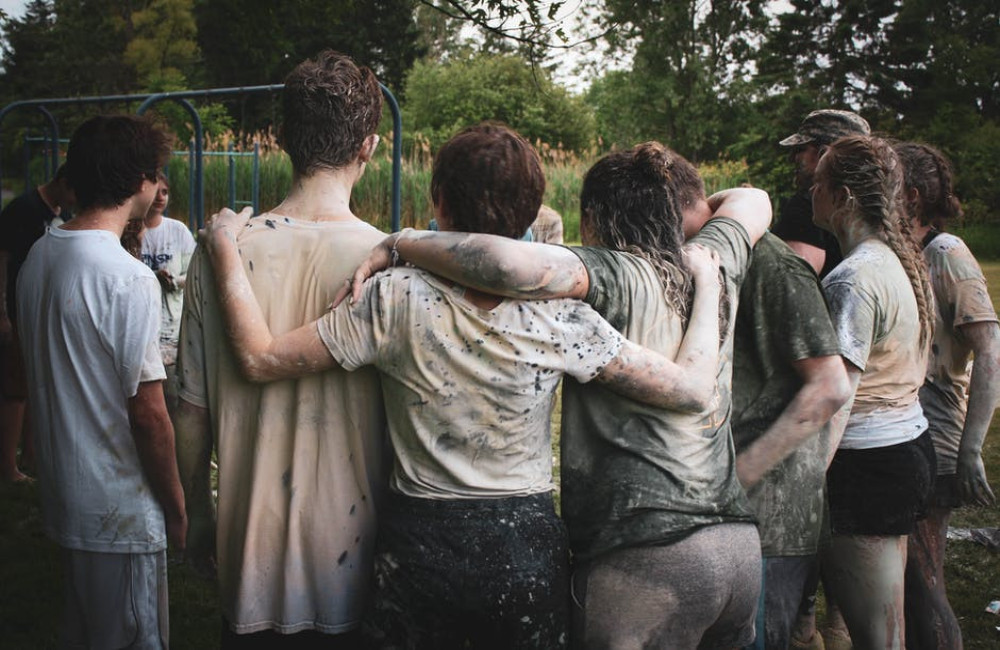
(368, 148)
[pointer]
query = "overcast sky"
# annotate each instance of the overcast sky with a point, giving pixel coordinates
(14, 8)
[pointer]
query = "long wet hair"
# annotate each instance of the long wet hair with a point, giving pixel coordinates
(634, 201)
(926, 170)
(871, 172)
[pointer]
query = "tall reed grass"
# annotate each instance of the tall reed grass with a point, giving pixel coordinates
(372, 199)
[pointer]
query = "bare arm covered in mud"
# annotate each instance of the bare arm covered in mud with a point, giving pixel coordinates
(984, 392)
(824, 390)
(194, 462)
(517, 269)
(644, 375)
(689, 382)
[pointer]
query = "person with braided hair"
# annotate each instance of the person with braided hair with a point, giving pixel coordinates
(881, 305)
(958, 397)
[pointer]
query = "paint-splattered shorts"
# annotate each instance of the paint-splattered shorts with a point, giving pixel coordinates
(481, 573)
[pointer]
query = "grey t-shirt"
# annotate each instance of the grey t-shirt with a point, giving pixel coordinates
(782, 318)
(634, 475)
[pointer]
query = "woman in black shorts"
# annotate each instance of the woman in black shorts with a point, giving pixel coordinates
(880, 301)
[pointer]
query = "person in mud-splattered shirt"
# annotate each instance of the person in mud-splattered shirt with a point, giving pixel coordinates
(959, 394)
(470, 552)
(788, 381)
(666, 554)
(881, 306)
(301, 466)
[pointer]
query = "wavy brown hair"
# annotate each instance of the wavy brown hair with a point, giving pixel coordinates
(871, 172)
(634, 201)
(926, 170)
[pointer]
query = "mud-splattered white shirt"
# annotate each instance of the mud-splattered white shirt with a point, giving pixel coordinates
(468, 391)
(874, 312)
(169, 246)
(89, 316)
(962, 298)
(300, 461)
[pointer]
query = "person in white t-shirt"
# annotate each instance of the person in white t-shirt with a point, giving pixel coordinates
(167, 246)
(107, 472)
(470, 552)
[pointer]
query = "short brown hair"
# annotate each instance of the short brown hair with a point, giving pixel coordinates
(330, 105)
(490, 180)
(110, 155)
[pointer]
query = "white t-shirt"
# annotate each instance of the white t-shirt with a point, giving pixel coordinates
(169, 246)
(301, 462)
(468, 391)
(89, 315)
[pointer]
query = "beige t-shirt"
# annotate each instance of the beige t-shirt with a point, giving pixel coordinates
(962, 298)
(468, 391)
(874, 312)
(300, 461)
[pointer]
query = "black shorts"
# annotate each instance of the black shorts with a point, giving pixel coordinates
(945, 493)
(881, 491)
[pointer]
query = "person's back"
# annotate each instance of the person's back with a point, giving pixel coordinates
(76, 329)
(300, 462)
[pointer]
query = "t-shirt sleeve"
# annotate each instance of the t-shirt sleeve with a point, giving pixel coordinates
(131, 332)
(960, 282)
(191, 343)
(609, 280)
(795, 221)
(589, 342)
(353, 332)
(731, 241)
(854, 315)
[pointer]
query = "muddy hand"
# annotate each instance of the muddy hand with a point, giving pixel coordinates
(226, 222)
(380, 258)
(972, 484)
(703, 263)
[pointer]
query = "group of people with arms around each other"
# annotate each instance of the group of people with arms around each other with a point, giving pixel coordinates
(740, 416)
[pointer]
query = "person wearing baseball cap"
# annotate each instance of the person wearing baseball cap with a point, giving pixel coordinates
(795, 226)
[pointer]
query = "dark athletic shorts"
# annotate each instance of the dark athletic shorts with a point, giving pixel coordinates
(881, 491)
(470, 573)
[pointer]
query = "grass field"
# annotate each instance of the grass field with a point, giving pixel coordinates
(30, 581)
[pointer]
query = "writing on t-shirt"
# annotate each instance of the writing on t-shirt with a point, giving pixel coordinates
(156, 260)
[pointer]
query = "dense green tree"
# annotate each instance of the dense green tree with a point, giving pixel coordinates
(443, 98)
(163, 44)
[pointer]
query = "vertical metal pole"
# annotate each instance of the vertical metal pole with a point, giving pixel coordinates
(192, 207)
(256, 178)
(232, 177)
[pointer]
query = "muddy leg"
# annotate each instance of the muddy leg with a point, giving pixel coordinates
(930, 621)
(866, 578)
(11, 426)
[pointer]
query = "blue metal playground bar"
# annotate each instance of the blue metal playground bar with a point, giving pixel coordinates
(182, 97)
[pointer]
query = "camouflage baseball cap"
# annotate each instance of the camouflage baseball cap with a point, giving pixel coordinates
(825, 126)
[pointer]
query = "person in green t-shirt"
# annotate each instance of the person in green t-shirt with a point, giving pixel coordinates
(664, 548)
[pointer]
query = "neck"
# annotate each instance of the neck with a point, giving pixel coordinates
(154, 220)
(323, 196)
(112, 220)
(919, 230)
(851, 231)
(48, 194)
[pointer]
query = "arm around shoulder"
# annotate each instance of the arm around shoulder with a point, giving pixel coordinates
(750, 207)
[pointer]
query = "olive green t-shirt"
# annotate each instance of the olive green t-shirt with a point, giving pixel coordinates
(635, 475)
(782, 318)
